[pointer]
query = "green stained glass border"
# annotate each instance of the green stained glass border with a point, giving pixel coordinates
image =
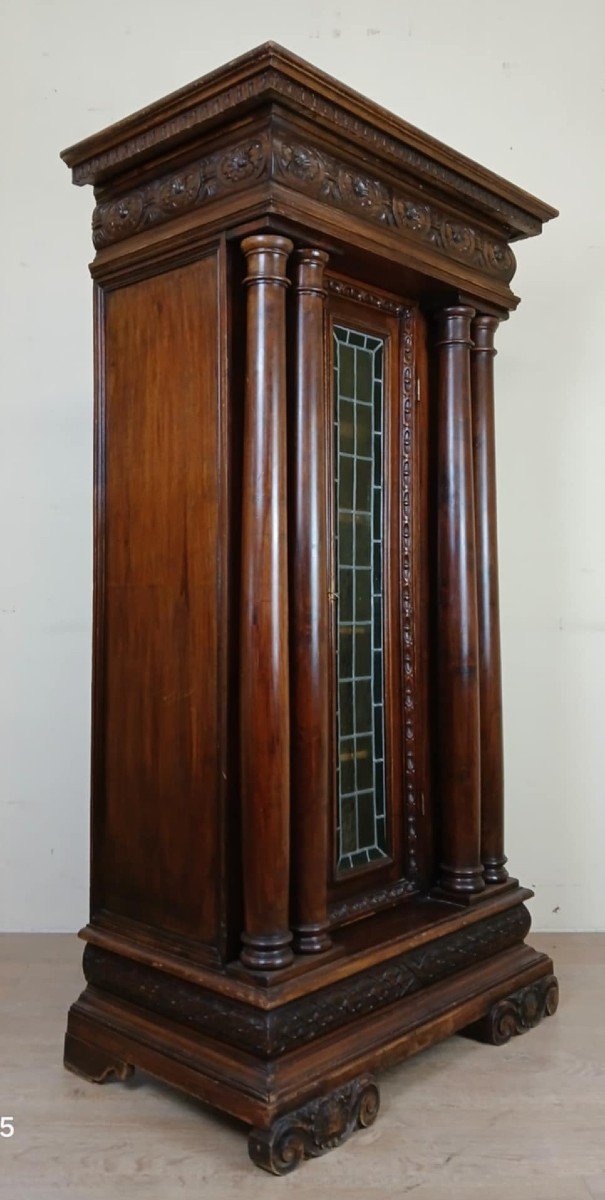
(358, 439)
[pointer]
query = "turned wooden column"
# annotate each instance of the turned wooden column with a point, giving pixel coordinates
(486, 540)
(461, 872)
(309, 612)
(264, 682)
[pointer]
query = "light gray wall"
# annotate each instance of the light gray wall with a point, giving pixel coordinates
(518, 86)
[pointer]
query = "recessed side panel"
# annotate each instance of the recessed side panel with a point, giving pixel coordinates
(158, 680)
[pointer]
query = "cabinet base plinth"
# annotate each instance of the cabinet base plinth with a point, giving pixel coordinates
(300, 1072)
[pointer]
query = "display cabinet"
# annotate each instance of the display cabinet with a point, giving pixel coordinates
(298, 871)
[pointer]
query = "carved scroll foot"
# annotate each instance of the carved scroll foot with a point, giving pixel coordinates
(317, 1127)
(93, 1063)
(516, 1013)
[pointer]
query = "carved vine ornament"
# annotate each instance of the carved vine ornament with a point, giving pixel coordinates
(273, 1033)
(309, 170)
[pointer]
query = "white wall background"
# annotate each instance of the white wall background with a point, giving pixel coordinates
(518, 86)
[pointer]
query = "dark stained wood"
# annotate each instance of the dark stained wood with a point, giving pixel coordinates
(517, 1013)
(158, 675)
(184, 160)
(486, 539)
(92, 1063)
(309, 612)
(264, 685)
(214, 755)
(418, 774)
(245, 83)
(315, 1128)
(257, 1091)
(460, 868)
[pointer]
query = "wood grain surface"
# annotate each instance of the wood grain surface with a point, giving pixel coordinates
(531, 1126)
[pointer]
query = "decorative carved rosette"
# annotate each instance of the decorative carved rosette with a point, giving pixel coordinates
(316, 1127)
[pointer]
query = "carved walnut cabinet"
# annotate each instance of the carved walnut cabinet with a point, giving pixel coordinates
(298, 867)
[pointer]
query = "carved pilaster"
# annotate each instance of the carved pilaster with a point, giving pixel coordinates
(486, 540)
(461, 872)
(309, 611)
(264, 690)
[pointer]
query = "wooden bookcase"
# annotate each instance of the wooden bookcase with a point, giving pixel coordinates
(298, 868)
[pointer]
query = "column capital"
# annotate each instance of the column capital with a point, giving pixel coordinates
(266, 258)
(311, 265)
(483, 331)
(454, 325)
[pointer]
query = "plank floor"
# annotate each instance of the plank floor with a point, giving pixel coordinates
(522, 1122)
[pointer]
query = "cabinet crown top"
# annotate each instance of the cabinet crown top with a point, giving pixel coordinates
(271, 77)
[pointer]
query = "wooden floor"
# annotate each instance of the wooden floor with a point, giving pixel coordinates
(522, 1122)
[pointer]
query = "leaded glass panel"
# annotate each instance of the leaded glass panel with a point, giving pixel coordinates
(358, 440)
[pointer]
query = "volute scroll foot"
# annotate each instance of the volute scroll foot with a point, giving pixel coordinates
(317, 1127)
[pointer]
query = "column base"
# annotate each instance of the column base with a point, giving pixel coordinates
(494, 870)
(458, 882)
(267, 952)
(312, 939)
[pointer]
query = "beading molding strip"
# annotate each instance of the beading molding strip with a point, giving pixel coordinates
(271, 73)
(352, 291)
(307, 169)
(408, 616)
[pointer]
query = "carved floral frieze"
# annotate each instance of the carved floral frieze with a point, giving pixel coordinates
(180, 192)
(312, 171)
(336, 182)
